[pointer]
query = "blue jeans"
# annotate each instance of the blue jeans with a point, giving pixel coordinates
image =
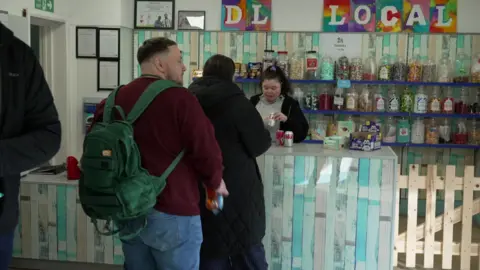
(253, 259)
(6, 250)
(167, 243)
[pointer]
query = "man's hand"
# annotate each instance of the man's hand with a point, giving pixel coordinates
(222, 189)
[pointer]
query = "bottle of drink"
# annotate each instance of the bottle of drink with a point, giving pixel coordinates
(214, 201)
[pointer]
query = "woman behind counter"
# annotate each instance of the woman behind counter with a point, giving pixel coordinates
(275, 100)
(233, 238)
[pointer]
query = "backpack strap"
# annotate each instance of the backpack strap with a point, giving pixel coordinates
(147, 97)
(110, 105)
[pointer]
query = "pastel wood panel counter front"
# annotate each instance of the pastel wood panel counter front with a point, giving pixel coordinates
(329, 210)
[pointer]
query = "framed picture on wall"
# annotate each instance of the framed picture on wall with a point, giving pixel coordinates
(191, 20)
(154, 14)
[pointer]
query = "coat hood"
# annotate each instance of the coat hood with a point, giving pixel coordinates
(210, 90)
(6, 37)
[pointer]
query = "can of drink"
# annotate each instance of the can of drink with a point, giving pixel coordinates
(288, 139)
(214, 201)
(271, 120)
(279, 137)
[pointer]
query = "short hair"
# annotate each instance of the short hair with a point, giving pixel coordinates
(276, 73)
(219, 66)
(153, 46)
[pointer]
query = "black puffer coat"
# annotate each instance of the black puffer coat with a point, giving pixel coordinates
(242, 137)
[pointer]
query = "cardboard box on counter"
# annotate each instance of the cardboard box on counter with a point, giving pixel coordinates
(335, 142)
(365, 141)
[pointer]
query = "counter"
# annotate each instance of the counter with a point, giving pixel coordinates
(318, 205)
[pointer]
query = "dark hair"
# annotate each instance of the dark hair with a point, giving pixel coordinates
(153, 46)
(276, 73)
(219, 66)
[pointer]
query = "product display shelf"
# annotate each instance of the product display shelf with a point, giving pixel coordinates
(242, 80)
(417, 145)
(398, 114)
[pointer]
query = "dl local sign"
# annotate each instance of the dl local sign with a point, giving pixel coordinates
(418, 16)
(246, 15)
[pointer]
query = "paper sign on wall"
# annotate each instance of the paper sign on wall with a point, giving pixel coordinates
(337, 45)
(246, 15)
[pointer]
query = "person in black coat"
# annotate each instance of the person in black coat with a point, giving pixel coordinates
(275, 100)
(233, 238)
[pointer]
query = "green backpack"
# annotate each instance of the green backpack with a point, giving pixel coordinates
(114, 186)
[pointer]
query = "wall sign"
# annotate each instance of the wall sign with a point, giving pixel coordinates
(241, 15)
(419, 16)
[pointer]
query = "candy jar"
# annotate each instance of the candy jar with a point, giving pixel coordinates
(461, 104)
(418, 131)
(403, 130)
(420, 104)
(445, 130)
(476, 69)
(448, 102)
(325, 100)
(460, 134)
(385, 69)
(444, 69)
(379, 101)
(351, 100)
(400, 70)
(299, 96)
(429, 71)
(474, 133)
(282, 61)
(356, 69)
(434, 102)
(370, 68)
(332, 127)
(268, 59)
(407, 101)
(318, 129)
(365, 100)
(297, 66)
(390, 134)
(393, 101)
(338, 99)
(326, 68)
(342, 68)
(311, 100)
(415, 69)
(474, 107)
(462, 67)
(432, 132)
(312, 65)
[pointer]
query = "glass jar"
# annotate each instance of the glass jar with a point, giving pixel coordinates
(390, 134)
(311, 100)
(342, 68)
(312, 65)
(385, 71)
(421, 99)
(462, 67)
(365, 100)
(282, 61)
(474, 133)
(407, 101)
(415, 69)
(370, 68)
(297, 66)
(445, 130)
(299, 96)
(432, 132)
(460, 134)
(461, 104)
(444, 69)
(474, 108)
(318, 129)
(418, 131)
(378, 101)
(332, 127)
(429, 71)
(448, 102)
(434, 102)
(400, 70)
(325, 100)
(476, 69)
(403, 130)
(327, 69)
(268, 59)
(338, 100)
(393, 100)
(356, 69)
(351, 100)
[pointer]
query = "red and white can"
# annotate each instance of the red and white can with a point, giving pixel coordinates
(288, 139)
(279, 137)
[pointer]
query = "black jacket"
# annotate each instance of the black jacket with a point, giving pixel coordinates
(242, 137)
(29, 127)
(296, 121)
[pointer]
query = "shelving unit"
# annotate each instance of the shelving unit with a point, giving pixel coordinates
(397, 114)
(452, 146)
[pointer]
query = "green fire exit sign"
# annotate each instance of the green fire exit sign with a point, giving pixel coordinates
(45, 5)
